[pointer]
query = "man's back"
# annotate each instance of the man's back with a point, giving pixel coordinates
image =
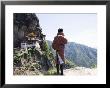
(59, 42)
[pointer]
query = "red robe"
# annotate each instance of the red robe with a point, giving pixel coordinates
(59, 44)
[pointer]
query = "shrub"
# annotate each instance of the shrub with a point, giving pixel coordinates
(51, 71)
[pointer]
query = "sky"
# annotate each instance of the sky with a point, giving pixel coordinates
(79, 28)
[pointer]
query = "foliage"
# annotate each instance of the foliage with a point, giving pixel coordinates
(93, 66)
(47, 51)
(69, 64)
(17, 56)
(51, 71)
(46, 48)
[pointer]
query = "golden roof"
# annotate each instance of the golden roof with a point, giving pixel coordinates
(31, 34)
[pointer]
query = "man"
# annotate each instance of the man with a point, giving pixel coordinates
(59, 45)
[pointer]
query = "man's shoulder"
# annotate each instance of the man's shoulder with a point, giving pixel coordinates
(59, 36)
(55, 37)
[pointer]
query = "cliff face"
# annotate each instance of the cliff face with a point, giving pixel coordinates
(32, 60)
(25, 23)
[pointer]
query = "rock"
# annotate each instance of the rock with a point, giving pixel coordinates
(25, 23)
(29, 44)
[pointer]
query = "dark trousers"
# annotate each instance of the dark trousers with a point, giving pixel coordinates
(59, 68)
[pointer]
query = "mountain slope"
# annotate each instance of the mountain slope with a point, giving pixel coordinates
(79, 54)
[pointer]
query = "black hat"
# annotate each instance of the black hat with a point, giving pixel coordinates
(60, 30)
